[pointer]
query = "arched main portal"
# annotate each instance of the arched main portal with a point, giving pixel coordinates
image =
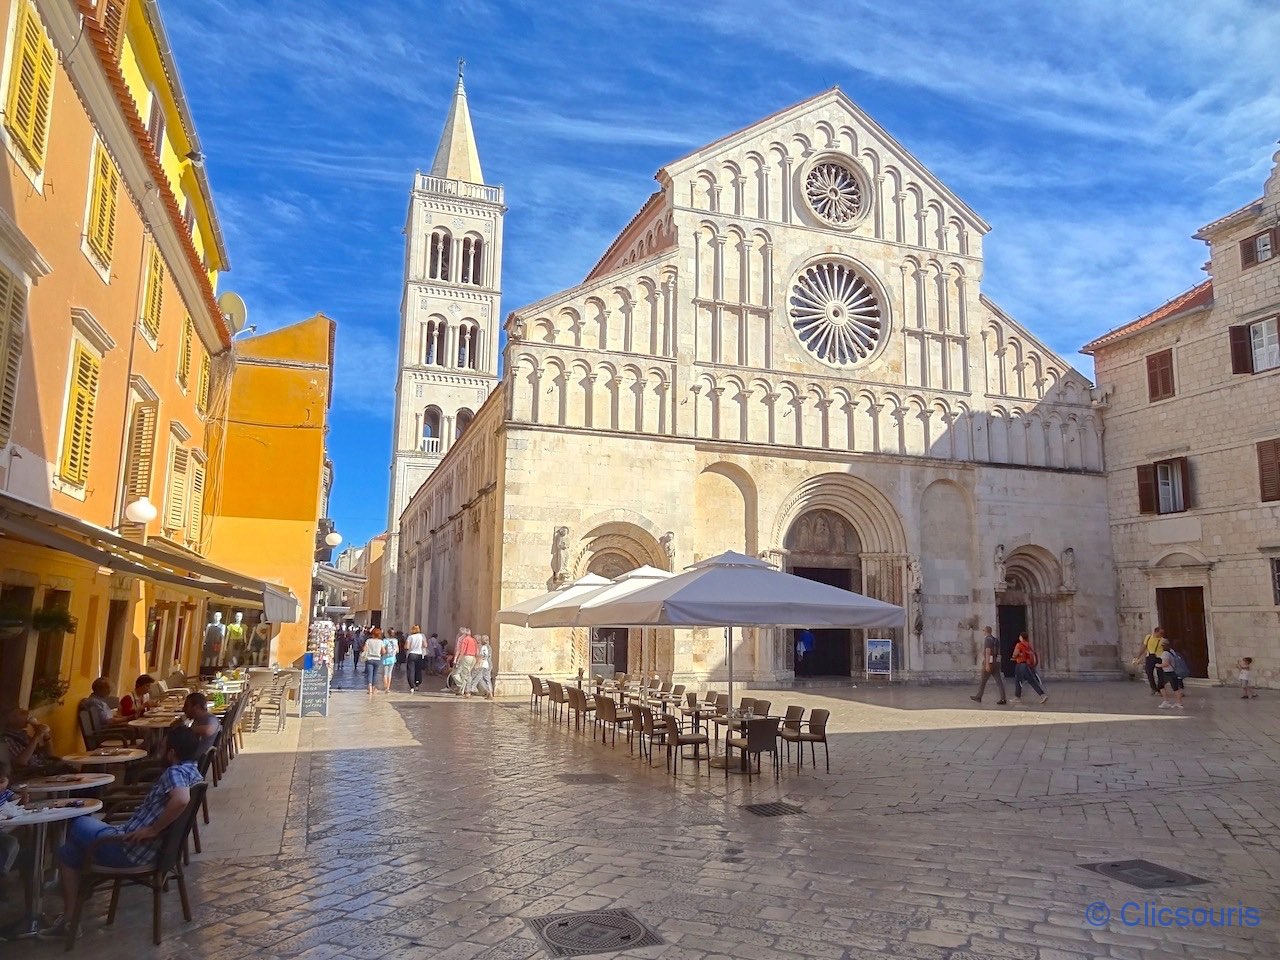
(1033, 600)
(821, 545)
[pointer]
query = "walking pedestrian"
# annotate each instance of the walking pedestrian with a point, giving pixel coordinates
(990, 667)
(464, 658)
(371, 652)
(357, 648)
(1149, 657)
(415, 654)
(1245, 666)
(1024, 671)
(1168, 674)
(391, 654)
(435, 655)
(483, 675)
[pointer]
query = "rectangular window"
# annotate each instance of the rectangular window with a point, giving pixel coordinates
(202, 390)
(1275, 581)
(175, 516)
(13, 315)
(153, 297)
(112, 13)
(101, 228)
(1160, 375)
(30, 100)
(140, 464)
(1164, 486)
(184, 355)
(1269, 470)
(195, 522)
(1259, 248)
(155, 124)
(77, 433)
(1264, 343)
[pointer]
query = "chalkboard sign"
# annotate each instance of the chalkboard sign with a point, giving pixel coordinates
(315, 691)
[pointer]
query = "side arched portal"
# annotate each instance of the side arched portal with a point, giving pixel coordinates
(1033, 600)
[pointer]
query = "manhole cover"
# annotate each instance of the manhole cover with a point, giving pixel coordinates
(599, 931)
(587, 777)
(772, 809)
(1144, 874)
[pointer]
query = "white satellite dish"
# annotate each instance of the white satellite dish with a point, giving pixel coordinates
(233, 308)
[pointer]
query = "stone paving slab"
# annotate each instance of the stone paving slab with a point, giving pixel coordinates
(426, 826)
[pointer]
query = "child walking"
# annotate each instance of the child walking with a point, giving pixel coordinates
(1245, 666)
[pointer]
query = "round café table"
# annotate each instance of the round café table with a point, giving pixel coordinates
(40, 816)
(65, 783)
(105, 756)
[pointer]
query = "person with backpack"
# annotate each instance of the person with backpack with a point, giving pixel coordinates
(1171, 672)
(1024, 671)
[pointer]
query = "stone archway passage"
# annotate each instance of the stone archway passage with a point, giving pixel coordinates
(1033, 582)
(823, 546)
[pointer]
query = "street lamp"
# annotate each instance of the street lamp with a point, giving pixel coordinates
(141, 510)
(333, 539)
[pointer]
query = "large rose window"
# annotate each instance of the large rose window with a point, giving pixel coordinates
(836, 313)
(835, 192)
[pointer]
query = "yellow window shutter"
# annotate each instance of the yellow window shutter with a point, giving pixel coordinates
(101, 228)
(184, 355)
(202, 393)
(13, 304)
(114, 16)
(175, 517)
(77, 438)
(30, 86)
(153, 298)
(195, 523)
(140, 463)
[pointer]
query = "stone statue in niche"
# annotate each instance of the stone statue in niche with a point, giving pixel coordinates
(668, 541)
(821, 534)
(915, 576)
(560, 554)
(1069, 570)
(999, 566)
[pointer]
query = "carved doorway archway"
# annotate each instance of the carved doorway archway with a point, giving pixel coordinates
(823, 546)
(1033, 600)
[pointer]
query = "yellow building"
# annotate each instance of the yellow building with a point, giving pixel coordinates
(272, 495)
(116, 363)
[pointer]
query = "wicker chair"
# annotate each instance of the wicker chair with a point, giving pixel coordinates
(581, 708)
(677, 740)
(721, 719)
(167, 866)
(558, 701)
(790, 730)
(816, 733)
(613, 716)
(761, 738)
(94, 737)
(761, 707)
(537, 693)
(649, 733)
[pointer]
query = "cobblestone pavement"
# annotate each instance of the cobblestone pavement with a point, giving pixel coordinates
(429, 827)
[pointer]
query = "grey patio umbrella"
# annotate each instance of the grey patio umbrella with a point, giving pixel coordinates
(519, 613)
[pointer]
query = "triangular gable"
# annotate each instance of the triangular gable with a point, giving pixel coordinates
(1030, 338)
(837, 96)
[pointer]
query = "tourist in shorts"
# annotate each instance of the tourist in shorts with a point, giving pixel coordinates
(1170, 684)
(1245, 666)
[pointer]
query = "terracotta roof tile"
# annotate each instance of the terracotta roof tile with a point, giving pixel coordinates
(1201, 295)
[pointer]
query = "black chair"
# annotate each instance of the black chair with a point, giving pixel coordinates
(167, 866)
(761, 738)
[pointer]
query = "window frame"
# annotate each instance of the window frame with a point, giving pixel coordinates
(101, 250)
(153, 291)
(29, 155)
(1268, 452)
(13, 321)
(185, 347)
(1275, 581)
(77, 481)
(1249, 248)
(1149, 486)
(1161, 382)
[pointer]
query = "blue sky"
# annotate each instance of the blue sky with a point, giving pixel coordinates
(1095, 137)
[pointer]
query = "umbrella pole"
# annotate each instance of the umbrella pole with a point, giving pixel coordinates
(728, 633)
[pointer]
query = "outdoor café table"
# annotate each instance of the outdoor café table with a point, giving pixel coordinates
(154, 725)
(40, 816)
(698, 712)
(106, 756)
(737, 720)
(66, 783)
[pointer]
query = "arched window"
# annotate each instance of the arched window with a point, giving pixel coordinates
(433, 348)
(468, 341)
(441, 253)
(471, 260)
(462, 421)
(431, 421)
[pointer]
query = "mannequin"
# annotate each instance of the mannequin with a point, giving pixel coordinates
(236, 636)
(214, 633)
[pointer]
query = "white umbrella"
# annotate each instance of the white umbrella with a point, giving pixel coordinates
(519, 613)
(734, 590)
(563, 610)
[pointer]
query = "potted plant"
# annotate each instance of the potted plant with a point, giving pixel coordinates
(53, 619)
(47, 693)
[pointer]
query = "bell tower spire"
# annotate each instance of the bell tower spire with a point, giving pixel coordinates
(457, 157)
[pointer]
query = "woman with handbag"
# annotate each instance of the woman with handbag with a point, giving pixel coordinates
(1024, 671)
(372, 657)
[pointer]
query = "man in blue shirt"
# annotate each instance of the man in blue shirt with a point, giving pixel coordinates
(137, 842)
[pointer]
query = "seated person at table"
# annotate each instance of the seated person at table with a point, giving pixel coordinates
(203, 723)
(28, 744)
(11, 851)
(135, 705)
(103, 715)
(137, 842)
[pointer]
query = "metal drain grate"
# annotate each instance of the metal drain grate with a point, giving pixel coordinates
(587, 777)
(599, 931)
(1144, 874)
(778, 809)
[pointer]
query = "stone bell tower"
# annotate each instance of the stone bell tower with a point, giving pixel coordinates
(450, 317)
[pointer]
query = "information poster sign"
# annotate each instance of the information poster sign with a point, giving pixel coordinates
(879, 657)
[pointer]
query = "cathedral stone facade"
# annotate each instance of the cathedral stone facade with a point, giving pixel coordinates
(786, 352)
